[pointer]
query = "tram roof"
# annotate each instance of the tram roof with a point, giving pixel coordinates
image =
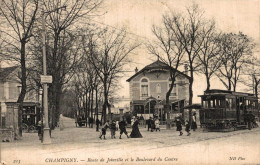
(218, 92)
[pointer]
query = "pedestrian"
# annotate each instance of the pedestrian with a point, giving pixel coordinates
(251, 119)
(142, 120)
(157, 124)
(187, 129)
(90, 122)
(61, 122)
(152, 125)
(113, 129)
(178, 121)
(97, 124)
(193, 123)
(135, 130)
(122, 127)
(104, 130)
(149, 122)
(132, 120)
(39, 127)
(117, 125)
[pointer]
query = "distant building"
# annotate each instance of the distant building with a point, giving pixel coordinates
(120, 104)
(9, 92)
(148, 88)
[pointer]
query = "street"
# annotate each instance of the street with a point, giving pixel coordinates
(82, 146)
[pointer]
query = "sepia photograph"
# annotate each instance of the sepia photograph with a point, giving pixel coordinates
(92, 82)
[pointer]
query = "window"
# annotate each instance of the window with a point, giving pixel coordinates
(144, 87)
(158, 88)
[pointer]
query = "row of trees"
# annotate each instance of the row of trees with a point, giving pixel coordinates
(192, 39)
(83, 59)
(86, 61)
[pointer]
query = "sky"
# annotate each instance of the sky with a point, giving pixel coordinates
(138, 16)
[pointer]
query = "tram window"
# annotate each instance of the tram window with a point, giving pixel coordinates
(228, 105)
(217, 102)
(205, 104)
(222, 103)
(234, 104)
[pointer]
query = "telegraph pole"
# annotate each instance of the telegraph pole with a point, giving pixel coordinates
(45, 79)
(46, 135)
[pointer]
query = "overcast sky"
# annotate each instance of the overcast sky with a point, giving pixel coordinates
(139, 15)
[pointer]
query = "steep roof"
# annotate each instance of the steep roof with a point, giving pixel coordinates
(156, 65)
(5, 72)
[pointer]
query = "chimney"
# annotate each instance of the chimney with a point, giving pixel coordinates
(186, 69)
(136, 70)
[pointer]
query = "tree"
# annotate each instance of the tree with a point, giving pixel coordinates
(62, 47)
(251, 76)
(20, 17)
(188, 30)
(108, 57)
(209, 57)
(168, 50)
(236, 50)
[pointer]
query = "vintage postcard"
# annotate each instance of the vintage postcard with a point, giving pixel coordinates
(92, 82)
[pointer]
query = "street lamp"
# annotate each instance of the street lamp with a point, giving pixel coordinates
(46, 135)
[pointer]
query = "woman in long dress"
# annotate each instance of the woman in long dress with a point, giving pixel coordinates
(135, 130)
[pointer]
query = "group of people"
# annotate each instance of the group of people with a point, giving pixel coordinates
(122, 127)
(179, 122)
(153, 124)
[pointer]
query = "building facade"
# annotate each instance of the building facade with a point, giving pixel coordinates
(148, 88)
(9, 92)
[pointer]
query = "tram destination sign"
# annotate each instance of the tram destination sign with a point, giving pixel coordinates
(46, 79)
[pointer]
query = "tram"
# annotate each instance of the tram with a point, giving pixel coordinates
(226, 110)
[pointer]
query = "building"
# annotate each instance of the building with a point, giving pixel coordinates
(148, 88)
(9, 92)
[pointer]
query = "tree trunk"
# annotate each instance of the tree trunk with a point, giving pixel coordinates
(190, 94)
(86, 108)
(96, 103)
(23, 90)
(92, 102)
(229, 84)
(208, 83)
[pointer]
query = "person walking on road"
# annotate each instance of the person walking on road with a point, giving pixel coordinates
(187, 129)
(135, 130)
(104, 130)
(149, 122)
(193, 123)
(97, 124)
(122, 127)
(178, 121)
(61, 122)
(157, 124)
(113, 129)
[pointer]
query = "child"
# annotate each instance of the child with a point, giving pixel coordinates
(179, 124)
(157, 124)
(113, 129)
(187, 129)
(122, 127)
(103, 130)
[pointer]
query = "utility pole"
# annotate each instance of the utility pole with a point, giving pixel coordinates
(46, 135)
(48, 79)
